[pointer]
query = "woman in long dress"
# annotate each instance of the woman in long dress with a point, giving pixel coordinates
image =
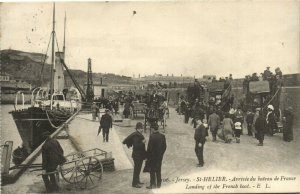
(227, 128)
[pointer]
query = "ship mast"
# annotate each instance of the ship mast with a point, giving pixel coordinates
(53, 54)
(64, 48)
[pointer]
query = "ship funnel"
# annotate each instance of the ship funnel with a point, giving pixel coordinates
(59, 79)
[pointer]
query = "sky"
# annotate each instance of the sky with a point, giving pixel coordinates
(192, 38)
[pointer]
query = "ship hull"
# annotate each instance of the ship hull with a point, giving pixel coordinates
(34, 121)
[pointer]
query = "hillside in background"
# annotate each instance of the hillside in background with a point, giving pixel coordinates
(27, 66)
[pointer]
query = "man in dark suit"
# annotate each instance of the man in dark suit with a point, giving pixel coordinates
(200, 134)
(137, 140)
(155, 151)
(260, 126)
(106, 124)
(52, 156)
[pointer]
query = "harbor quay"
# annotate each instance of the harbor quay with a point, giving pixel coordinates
(150, 97)
(179, 170)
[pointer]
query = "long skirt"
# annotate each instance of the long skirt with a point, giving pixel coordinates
(225, 135)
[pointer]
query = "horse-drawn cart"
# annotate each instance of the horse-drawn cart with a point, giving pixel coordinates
(154, 116)
(138, 107)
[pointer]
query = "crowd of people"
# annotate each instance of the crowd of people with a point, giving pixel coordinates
(275, 80)
(229, 126)
(111, 103)
(232, 122)
(226, 126)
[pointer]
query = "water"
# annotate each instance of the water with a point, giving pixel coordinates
(9, 131)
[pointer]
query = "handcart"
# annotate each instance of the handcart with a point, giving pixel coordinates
(84, 169)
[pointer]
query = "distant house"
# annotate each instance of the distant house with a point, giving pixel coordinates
(5, 77)
(11, 86)
(100, 90)
(166, 79)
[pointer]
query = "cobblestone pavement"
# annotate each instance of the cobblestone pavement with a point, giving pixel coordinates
(275, 157)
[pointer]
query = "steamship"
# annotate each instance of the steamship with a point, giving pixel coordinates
(49, 109)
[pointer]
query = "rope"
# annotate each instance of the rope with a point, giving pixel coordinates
(272, 98)
(52, 125)
(66, 117)
(43, 62)
(223, 95)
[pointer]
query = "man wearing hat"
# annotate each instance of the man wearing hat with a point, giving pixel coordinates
(155, 151)
(95, 110)
(260, 125)
(52, 156)
(106, 124)
(267, 74)
(200, 138)
(278, 72)
(256, 115)
(137, 141)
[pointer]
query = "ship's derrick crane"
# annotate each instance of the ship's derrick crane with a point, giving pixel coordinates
(90, 86)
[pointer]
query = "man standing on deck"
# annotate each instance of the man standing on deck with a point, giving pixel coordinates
(106, 124)
(52, 156)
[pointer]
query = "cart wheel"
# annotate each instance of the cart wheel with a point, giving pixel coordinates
(91, 170)
(70, 173)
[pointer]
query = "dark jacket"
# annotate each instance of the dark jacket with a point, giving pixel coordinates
(214, 121)
(136, 140)
(198, 112)
(106, 121)
(156, 147)
(52, 155)
(260, 126)
(200, 134)
(249, 117)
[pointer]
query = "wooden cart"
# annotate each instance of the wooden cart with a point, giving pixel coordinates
(84, 169)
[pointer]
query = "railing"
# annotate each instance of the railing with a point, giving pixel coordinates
(16, 100)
